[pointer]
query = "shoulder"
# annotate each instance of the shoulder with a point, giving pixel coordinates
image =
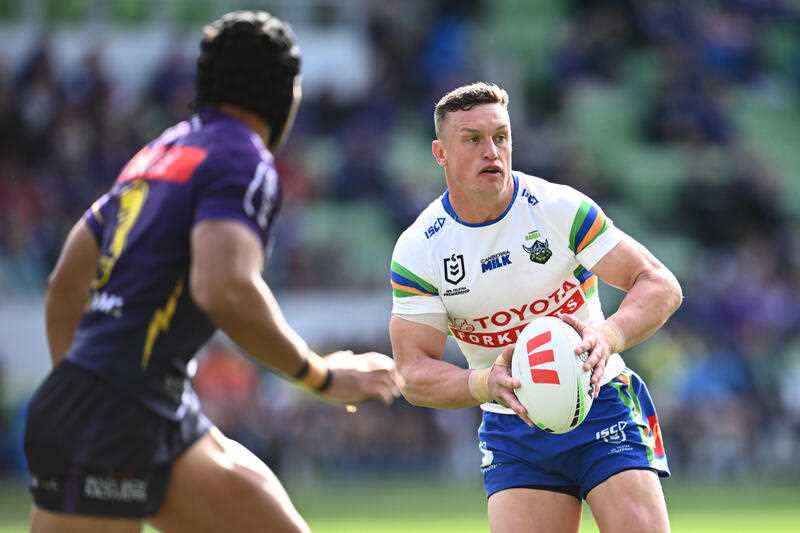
(553, 197)
(427, 226)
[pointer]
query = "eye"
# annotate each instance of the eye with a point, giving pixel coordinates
(501, 138)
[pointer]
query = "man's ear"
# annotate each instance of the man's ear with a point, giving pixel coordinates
(438, 152)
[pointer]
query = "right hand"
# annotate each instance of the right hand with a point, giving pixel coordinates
(358, 377)
(502, 385)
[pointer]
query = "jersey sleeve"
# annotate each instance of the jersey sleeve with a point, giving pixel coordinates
(591, 234)
(243, 191)
(412, 280)
(96, 217)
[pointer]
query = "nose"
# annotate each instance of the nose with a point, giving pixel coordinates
(490, 150)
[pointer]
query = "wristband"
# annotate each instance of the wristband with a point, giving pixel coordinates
(328, 381)
(314, 373)
(614, 335)
(478, 383)
(304, 368)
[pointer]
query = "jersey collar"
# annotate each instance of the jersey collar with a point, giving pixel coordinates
(448, 207)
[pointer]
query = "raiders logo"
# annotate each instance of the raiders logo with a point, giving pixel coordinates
(539, 251)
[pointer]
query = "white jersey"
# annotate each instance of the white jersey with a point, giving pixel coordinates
(493, 278)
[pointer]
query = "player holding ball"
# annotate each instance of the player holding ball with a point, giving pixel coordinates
(498, 249)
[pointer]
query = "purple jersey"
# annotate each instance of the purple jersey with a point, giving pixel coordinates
(141, 328)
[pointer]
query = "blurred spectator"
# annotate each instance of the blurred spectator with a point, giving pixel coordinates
(66, 128)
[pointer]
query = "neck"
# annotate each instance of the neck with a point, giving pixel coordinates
(477, 208)
(250, 119)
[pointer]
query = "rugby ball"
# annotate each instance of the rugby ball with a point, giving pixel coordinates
(555, 388)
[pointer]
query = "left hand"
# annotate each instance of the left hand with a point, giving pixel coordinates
(596, 344)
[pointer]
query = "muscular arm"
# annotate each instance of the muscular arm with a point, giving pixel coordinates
(68, 289)
(428, 381)
(653, 293)
(226, 283)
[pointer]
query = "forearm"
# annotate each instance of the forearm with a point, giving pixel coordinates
(249, 314)
(431, 382)
(63, 311)
(652, 299)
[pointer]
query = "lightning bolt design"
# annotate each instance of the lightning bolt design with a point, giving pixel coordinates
(160, 322)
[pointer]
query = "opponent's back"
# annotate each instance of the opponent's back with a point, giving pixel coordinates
(141, 327)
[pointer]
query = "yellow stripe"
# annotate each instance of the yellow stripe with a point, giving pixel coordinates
(593, 231)
(588, 284)
(160, 322)
(406, 288)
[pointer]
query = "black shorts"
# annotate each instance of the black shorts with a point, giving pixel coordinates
(94, 451)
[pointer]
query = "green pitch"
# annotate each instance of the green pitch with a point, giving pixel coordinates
(439, 507)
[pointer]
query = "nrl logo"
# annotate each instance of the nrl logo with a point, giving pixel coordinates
(454, 268)
(540, 251)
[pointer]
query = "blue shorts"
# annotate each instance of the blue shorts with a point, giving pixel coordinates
(621, 432)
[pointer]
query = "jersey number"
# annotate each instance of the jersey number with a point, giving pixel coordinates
(131, 200)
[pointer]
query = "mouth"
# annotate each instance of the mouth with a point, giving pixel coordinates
(492, 170)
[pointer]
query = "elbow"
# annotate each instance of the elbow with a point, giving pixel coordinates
(218, 296)
(672, 292)
(410, 389)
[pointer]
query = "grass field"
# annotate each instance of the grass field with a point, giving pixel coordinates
(437, 507)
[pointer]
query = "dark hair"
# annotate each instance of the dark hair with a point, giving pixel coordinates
(465, 98)
(249, 59)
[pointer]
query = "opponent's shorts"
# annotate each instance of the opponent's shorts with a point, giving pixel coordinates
(620, 432)
(94, 451)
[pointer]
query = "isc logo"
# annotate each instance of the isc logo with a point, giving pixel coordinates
(540, 357)
(436, 226)
(613, 433)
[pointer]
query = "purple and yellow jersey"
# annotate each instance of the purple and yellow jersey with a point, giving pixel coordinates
(141, 328)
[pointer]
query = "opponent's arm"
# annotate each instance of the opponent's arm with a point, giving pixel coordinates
(226, 283)
(653, 294)
(428, 381)
(68, 289)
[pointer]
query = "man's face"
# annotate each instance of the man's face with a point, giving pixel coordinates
(474, 148)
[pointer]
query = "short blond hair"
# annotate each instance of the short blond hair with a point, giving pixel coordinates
(465, 98)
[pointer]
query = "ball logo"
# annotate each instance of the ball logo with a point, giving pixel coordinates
(538, 357)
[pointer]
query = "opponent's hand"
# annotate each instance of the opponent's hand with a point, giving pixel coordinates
(358, 377)
(596, 342)
(501, 385)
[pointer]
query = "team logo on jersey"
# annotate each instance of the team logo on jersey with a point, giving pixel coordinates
(454, 269)
(494, 261)
(539, 251)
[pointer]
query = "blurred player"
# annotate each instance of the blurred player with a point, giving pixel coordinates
(496, 250)
(174, 250)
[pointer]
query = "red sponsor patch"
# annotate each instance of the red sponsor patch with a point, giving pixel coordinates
(655, 428)
(499, 339)
(489, 339)
(175, 164)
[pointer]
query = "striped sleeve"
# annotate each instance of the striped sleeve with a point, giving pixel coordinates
(412, 279)
(592, 234)
(405, 283)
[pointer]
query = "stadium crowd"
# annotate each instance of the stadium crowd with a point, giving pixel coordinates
(681, 119)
